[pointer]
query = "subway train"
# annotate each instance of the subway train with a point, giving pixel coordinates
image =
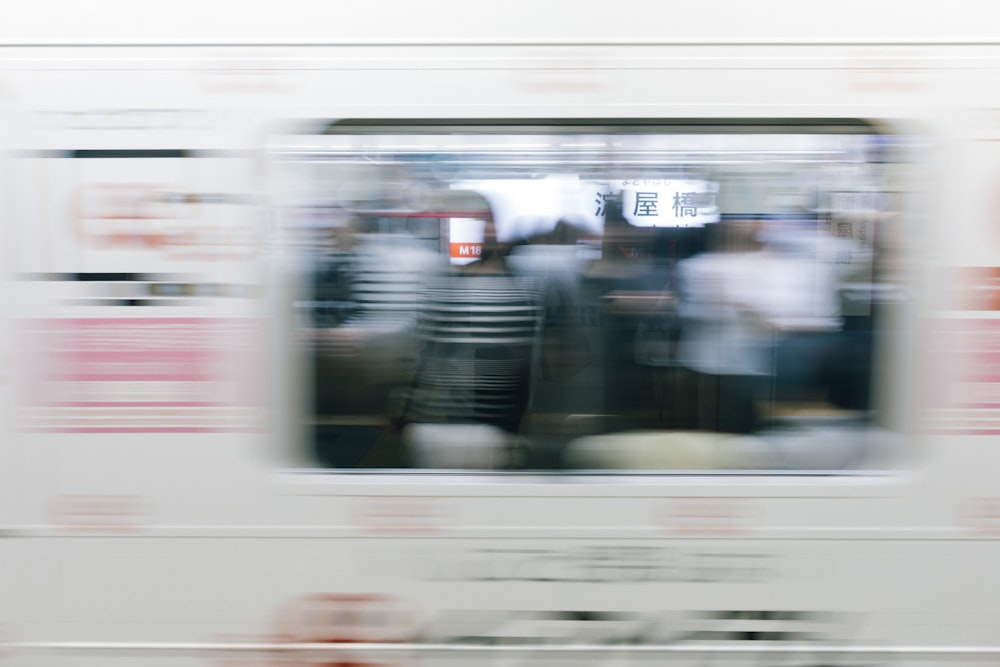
(399, 336)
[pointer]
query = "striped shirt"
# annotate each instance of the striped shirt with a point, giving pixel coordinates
(478, 333)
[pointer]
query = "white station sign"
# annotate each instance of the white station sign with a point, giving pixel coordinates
(669, 203)
(523, 207)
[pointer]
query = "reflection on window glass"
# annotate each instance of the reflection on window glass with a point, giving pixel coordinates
(595, 299)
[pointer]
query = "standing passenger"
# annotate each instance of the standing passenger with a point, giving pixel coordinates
(616, 288)
(478, 327)
(725, 343)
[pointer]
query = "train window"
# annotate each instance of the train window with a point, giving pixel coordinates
(593, 296)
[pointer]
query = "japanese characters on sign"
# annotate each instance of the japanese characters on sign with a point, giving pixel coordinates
(669, 203)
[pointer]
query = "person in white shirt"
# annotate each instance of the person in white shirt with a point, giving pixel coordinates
(726, 339)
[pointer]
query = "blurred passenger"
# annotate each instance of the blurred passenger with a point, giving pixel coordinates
(364, 336)
(560, 387)
(332, 276)
(807, 268)
(553, 259)
(333, 303)
(478, 327)
(619, 290)
(374, 281)
(725, 339)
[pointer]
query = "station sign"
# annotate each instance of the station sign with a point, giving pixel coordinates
(669, 203)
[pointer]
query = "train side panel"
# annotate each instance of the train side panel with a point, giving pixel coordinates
(152, 493)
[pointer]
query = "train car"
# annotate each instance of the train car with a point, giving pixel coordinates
(560, 333)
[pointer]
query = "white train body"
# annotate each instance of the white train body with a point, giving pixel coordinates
(158, 505)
